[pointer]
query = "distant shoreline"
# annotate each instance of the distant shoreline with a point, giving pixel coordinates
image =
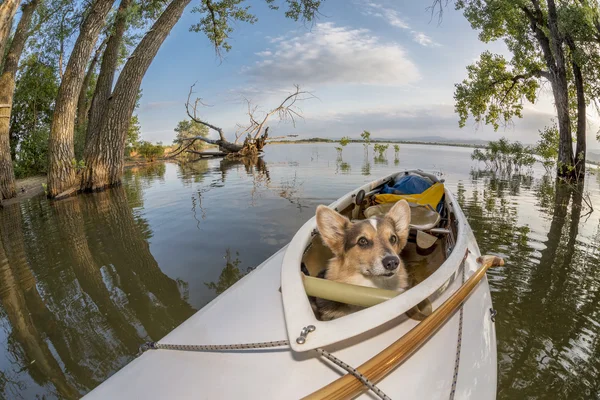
(322, 140)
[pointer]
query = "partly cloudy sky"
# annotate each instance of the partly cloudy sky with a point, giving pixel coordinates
(383, 66)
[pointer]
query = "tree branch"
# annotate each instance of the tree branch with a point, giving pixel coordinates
(541, 37)
(193, 114)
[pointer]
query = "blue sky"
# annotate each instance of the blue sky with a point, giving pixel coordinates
(384, 66)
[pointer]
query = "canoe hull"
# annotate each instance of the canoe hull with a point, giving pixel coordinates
(252, 311)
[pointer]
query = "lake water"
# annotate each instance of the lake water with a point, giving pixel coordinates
(85, 281)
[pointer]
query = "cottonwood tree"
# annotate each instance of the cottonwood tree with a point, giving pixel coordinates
(61, 153)
(8, 9)
(104, 157)
(555, 42)
(7, 90)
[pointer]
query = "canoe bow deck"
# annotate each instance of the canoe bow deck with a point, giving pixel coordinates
(253, 310)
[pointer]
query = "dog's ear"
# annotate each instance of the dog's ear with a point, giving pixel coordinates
(332, 228)
(400, 216)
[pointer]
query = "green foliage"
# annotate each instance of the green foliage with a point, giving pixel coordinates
(188, 129)
(218, 16)
(494, 91)
(134, 134)
(396, 149)
(150, 151)
(343, 143)
(380, 149)
(547, 146)
(32, 154)
(299, 9)
(366, 137)
(505, 156)
(496, 88)
(78, 165)
(33, 107)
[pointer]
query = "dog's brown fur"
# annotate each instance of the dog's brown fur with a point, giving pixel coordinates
(359, 248)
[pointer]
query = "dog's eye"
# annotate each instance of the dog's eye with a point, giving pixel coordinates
(393, 239)
(363, 241)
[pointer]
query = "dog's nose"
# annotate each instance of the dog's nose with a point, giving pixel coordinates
(390, 262)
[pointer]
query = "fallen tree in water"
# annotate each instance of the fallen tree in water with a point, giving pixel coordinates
(255, 134)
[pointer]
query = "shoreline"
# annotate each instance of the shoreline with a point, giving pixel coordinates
(309, 141)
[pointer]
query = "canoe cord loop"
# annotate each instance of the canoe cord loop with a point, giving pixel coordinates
(262, 345)
(493, 314)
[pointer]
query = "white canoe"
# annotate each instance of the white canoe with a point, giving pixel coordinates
(270, 304)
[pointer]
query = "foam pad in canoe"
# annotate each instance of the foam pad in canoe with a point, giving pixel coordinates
(421, 217)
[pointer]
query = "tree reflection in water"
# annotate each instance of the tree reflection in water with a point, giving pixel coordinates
(254, 168)
(79, 292)
(230, 274)
(548, 295)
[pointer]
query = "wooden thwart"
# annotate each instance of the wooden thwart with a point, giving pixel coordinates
(387, 360)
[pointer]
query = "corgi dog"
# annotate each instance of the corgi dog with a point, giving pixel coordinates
(365, 252)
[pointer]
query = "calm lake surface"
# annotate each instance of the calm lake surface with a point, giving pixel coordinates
(85, 281)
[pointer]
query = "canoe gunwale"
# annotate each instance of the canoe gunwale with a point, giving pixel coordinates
(298, 311)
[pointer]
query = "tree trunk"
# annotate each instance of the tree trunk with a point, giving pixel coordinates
(561, 96)
(82, 103)
(61, 154)
(104, 162)
(581, 123)
(7, 90)
(565, 147)
(106, 78)
(8, 9)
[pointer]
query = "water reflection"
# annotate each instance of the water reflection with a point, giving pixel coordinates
(341, 166)
(79, 292)
(548, 294)
(380, 159)
(366, 166)
(230, 274)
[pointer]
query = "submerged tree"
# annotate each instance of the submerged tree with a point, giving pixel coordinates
(550, 42)
(366, 137)
(504, 155)
(256, 131)
(343, 143)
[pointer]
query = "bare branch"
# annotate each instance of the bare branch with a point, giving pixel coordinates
(193, 113)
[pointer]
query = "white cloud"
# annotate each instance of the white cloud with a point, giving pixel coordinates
(334, 55)
(423, 39)
(390, 15)
(393, 18)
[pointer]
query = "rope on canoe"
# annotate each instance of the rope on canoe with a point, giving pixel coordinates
(354, 372)
(263, 345)
(459, 340)
(211, 347)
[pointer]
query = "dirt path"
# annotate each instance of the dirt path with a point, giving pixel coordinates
(27, 188)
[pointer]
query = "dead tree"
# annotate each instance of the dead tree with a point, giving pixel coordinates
(256, 133)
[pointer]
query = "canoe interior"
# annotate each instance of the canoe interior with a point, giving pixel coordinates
(420, 263)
